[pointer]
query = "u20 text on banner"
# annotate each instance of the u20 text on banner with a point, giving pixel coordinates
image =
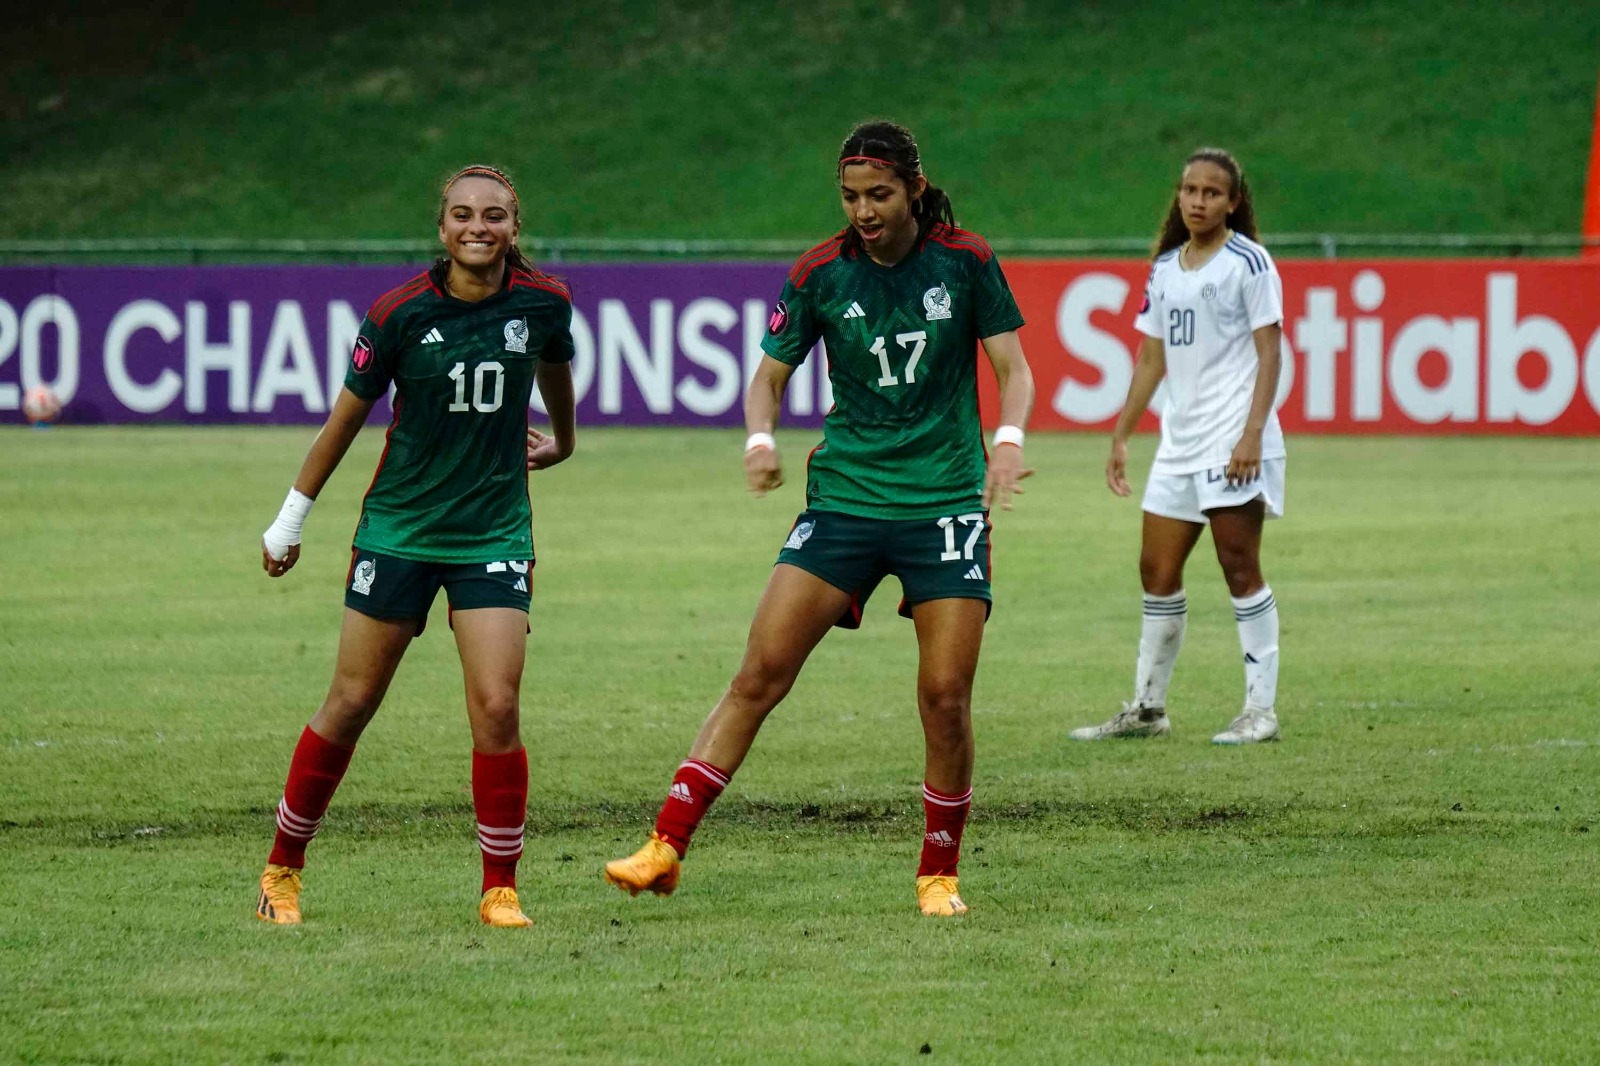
(1401, 346)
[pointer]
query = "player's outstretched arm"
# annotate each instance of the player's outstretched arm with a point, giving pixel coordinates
(555, 388)
(280, 544)
(763, 469)
(1148, 370)
(1011, 373)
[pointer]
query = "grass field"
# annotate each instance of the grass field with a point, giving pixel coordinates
(1409, 876)
(719, 119)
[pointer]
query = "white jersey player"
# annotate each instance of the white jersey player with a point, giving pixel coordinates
(1212, 323)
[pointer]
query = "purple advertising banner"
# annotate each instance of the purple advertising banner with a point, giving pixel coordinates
(657, 344)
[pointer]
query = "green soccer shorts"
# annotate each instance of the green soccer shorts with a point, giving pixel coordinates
(386, 587)
(934, 558)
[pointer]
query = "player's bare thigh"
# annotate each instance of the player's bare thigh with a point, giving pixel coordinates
(370, 650)
(492, 643)
(949, 638)
(796, 611)
(1165, 547)
(1236, 532)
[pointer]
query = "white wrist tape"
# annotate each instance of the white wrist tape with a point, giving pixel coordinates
(761, 440)
(1008, 435)
(285, 530)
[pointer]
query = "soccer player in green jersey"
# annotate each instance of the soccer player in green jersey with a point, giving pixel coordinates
(901, 484)
(463, 345)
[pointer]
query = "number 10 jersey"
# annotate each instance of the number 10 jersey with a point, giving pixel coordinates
(452, 486)
(903, 439)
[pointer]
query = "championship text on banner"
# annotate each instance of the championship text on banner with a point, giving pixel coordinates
(1407, 346)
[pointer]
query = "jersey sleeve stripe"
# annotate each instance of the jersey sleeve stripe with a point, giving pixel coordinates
(1258, 252)
(398, 294)
(822, 253)
(1258, 262)
(962, 240)
(391, 300)
(542, 281)
(1249, 262)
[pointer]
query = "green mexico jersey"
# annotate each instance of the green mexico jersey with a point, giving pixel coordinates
(452, 486)
(903, 439)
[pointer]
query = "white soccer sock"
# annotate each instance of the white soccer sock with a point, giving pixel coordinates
(1257, 615)
(1160, 639)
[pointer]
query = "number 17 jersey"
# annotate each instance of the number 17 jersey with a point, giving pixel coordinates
(903, 440)
(452, 486)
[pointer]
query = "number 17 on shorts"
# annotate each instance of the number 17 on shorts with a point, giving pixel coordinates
(957, 567)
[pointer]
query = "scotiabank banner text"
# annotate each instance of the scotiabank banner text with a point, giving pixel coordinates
(1406, 346)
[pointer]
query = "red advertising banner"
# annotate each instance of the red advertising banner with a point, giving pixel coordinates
(1392, 346)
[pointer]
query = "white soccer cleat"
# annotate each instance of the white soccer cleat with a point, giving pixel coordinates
(1131, 722)
(1251, 727)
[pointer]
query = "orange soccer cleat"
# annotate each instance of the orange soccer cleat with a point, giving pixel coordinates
(279, 902)
(653, 868)
(500, 908)
(937, 897)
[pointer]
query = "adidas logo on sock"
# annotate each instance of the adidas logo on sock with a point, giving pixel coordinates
(680, 791)
(855, 311)
(433, 337)
(975, 574)
(941, 838)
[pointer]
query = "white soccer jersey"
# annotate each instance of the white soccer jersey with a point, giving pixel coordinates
(1205, 319)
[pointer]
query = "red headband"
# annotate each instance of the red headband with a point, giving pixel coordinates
(874, 160)
(495, 175)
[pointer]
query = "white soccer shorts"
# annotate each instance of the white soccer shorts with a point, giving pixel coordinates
(1187, 497)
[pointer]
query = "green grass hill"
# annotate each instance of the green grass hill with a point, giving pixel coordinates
(720, 119)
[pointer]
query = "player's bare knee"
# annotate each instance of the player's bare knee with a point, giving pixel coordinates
(352, 701)
(1243, 581)
(760, 687)
(762, 680)
(496, 707)
(1241, 570)
(1158, 576)
(945, 707)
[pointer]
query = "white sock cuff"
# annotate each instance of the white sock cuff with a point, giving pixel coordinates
(1166, 606)
(1254, 605)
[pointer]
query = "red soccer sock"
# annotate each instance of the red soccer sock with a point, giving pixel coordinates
(695, 787)
(315, 771)
(500, 798)
(946, 818)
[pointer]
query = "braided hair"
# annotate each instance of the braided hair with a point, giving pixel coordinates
(1242, 219)
(891, 146)
(514, 257)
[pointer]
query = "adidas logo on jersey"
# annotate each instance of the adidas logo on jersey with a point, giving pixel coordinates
(942, 839)
(975, 574)
(433, 337)
(854, 311)
(680, 792)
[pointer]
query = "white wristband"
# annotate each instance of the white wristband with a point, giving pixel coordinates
(760, 440)
(1008, 435)
(284, 533)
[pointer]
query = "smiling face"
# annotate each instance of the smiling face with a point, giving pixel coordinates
(878, 204)
(480, 222)
(1206, 197)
